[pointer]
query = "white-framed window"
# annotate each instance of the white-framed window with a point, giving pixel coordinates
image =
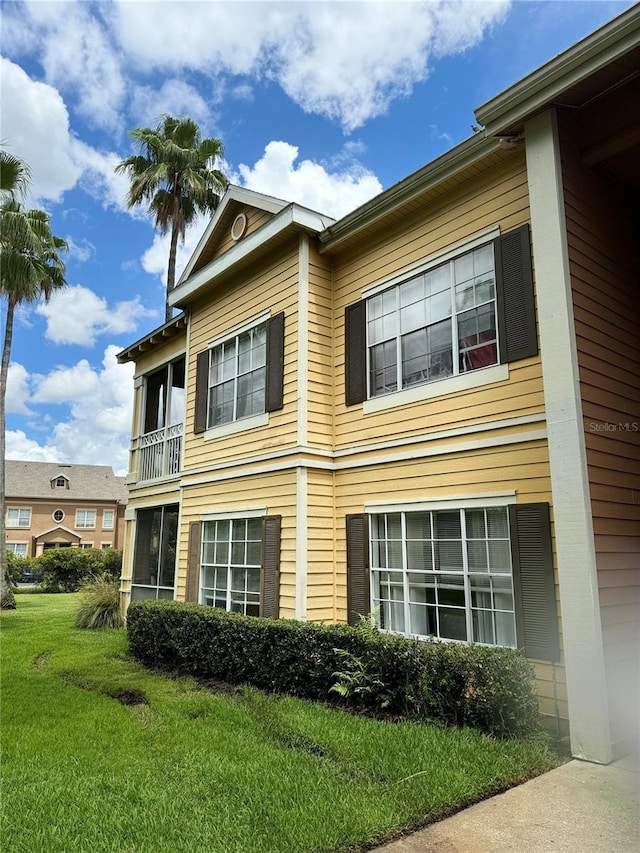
(85, 518)
(85, 546)
(154, 556)
(61, 483)
(105, 546)
(231, 564)
(433, 325)
(18, 517)
(444, 573)
(58, 516)
(107, 519)
(237, 377)
(17, 548)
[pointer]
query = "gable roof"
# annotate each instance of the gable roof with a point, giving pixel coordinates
(86, 482)
(55, 530)
(233, 195)
(291, 218)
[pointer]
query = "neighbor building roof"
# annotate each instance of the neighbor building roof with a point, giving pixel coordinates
(85, 482)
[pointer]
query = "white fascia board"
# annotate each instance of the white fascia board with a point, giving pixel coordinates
(457, 159)
(551, 80)
(292, 215)
(242, 196)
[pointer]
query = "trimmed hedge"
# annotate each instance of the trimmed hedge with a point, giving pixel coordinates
(490, 689)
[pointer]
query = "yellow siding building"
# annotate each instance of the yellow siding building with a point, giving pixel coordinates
(428, 410)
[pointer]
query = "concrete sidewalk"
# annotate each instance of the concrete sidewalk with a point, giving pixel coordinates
(577, 808)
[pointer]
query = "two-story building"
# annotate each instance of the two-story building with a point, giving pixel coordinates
(428, 410)
(54, 505)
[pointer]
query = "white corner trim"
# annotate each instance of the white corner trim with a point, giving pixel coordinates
(303, 339)
(438, 388)
(490, 499)
(575, 547)
(302, 522)
(452, 251)
(240, 425)
(223, 515)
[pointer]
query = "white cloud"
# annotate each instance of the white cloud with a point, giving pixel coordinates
(156, 258)
(97, 429)
(35, 126)
(346, 61)
(81, 249)
(77, 315)
(175, 97)
(18, 390)
(309, 183)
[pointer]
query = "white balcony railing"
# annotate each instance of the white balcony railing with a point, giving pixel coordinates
(159, 453)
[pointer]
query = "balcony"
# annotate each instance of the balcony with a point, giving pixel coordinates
(159, 453)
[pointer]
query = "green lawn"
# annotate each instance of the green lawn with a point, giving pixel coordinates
(193, 771)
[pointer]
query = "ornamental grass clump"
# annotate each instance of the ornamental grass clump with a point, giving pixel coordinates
(100, 604)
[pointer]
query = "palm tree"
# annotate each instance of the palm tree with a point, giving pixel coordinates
(30, 269)
(14, 175)
(175, 175)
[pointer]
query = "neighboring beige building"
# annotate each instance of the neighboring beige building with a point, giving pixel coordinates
(429, 409)
(52, 505)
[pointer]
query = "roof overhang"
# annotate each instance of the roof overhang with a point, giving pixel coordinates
(240, 195)
(291, 219)
(154, 339)
(466, 154)
(506, 112)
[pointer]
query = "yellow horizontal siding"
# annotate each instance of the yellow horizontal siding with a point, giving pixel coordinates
(272, 286)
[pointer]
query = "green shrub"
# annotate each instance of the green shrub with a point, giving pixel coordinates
(100, 604)
(66, 569)
(360, 668)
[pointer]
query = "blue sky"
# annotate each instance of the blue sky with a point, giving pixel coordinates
(323, 103)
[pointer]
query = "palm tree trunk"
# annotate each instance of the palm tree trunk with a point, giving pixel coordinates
(7, 599)
(171, 272)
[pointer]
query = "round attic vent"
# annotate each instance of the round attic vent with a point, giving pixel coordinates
(239, 226)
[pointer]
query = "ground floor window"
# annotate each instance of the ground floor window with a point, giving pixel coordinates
(17, 548)
(154, 558)
(231, 564)
(444, 573)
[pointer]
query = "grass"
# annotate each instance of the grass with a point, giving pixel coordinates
(102, 755)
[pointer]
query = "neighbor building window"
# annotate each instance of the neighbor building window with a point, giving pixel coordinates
(85, 546)
(58, 516)
(237, 376)
(154, 558)
(231, 564)
(18, 517)
(436, 324)
(85, 518)
(17, 548)
(444, 573)
(107, 519)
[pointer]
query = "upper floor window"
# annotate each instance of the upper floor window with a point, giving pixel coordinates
(85, 518)
(471, 311)
(58, 515)
(18, 517)
(436, 324)
(164, 396)
(107, 519)
(241, 376)
(237, 377)
(61, 483)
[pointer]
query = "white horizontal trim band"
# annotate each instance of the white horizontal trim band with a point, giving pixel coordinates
(458, 502)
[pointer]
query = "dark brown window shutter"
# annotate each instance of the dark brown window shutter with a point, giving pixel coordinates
(274, 393)
(193, 562)
(516, 301)
(357, 567)
(202, 391)
(270, 582)
(535, 597)
(355, 353)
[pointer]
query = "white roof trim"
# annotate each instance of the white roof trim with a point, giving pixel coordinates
(551, 80)
(238, 194)
(291, 215)
(58, 527)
